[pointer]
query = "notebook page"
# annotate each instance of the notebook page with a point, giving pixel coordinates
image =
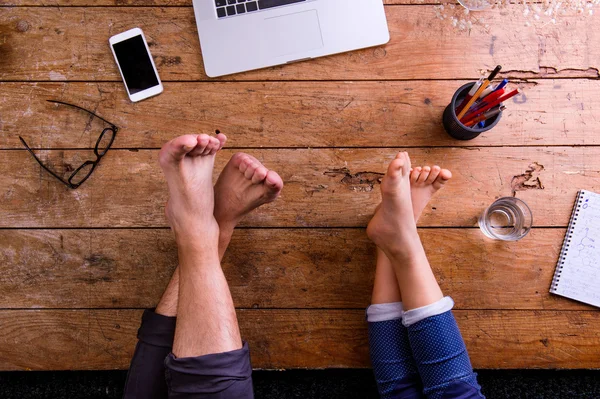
(579, 277)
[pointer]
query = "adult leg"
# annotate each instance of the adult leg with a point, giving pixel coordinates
(437, 345)
(208, 359)
(244, 185)
(391, 356)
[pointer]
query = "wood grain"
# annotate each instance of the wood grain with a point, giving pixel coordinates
(279, 339)
(324, 187)
(54, 43)
(298, 268)
(142, 3)
(293, 114)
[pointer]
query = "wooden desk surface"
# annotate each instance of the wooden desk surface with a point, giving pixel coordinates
(78, 266)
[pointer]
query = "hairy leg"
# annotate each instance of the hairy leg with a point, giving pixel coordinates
(207, 321)
(244, 185)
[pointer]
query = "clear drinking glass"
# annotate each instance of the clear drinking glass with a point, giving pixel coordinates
(475, 5)
(507, 219)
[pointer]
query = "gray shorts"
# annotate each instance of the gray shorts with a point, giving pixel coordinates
(156, 373)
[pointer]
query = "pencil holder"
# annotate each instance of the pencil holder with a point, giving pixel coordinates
(457, 129)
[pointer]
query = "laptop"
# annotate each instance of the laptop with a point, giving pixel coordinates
(242, 35)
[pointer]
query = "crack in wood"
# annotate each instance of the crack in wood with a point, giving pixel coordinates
(361, 181)
(528, 180)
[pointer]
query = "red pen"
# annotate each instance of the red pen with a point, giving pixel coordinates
(488, 99)
(472, 115)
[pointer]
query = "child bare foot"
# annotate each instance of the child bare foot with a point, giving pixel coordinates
(187, 162)
(424, 183)
(244, 185)
(393, 227)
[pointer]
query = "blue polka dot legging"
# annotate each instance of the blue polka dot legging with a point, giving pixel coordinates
(427, 359)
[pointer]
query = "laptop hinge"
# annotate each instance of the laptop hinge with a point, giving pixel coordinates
(300, 60)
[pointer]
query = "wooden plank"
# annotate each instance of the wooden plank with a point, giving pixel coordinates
(54, 43)
(317, 268)
(104, 339)
(324, 187)
(293, 114)
(141, 3)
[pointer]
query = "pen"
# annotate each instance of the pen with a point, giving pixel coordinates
(473, 115)
(490, 98)
(491, 113)
(490, 78)
(501, 85)
(494, 73)
(487, 91)
(469, 95)
(465, 109)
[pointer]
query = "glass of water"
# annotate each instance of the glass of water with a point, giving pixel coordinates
(507, 219)
(476, 5)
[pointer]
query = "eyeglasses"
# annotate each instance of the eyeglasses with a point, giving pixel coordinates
(82, 173)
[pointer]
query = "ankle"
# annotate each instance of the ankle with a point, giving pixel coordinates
(197, 242)
(408, 251)
(226, 227)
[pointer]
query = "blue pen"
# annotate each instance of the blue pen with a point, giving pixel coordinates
(501, 85)
(482, 124)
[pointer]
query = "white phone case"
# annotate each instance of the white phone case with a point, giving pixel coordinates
(152, 91)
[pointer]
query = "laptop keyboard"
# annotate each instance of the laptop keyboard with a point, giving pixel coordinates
(229, 8)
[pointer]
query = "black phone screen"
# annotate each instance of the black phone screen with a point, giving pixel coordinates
(135, 64)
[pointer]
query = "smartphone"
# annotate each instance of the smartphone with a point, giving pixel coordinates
(135, 64)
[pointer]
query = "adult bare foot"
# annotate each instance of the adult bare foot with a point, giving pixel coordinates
(424, 183)
(393, 226)
(187, 162)
(244, 185)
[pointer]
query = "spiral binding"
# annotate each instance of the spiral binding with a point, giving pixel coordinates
(567, 242)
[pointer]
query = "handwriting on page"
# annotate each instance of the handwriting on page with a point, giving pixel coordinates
(581, 272)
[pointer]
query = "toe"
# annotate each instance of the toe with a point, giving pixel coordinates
(202, 142)
(424, 174)
(414, 175)
(175, 150)
(222, 140)
(435, 172)
(445, 175)
(215, 145)
(442, 178)
(260, 174)
(252, 166)
(400, 166)
(274, 181)
(244, 164)
(237, 159)
(406, 169)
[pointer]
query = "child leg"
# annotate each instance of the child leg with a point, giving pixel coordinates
(436, 342)
(395, 370)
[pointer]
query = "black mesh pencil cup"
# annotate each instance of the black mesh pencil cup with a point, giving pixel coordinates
(457, 129)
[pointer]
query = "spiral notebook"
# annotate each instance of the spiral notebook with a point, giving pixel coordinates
(577, 274)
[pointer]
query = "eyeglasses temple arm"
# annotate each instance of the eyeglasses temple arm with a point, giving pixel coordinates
(83, 109)
(44, 166)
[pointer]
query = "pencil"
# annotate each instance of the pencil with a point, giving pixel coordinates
(490, 78)
(474, 114)
(469, 95)
(465, 109)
